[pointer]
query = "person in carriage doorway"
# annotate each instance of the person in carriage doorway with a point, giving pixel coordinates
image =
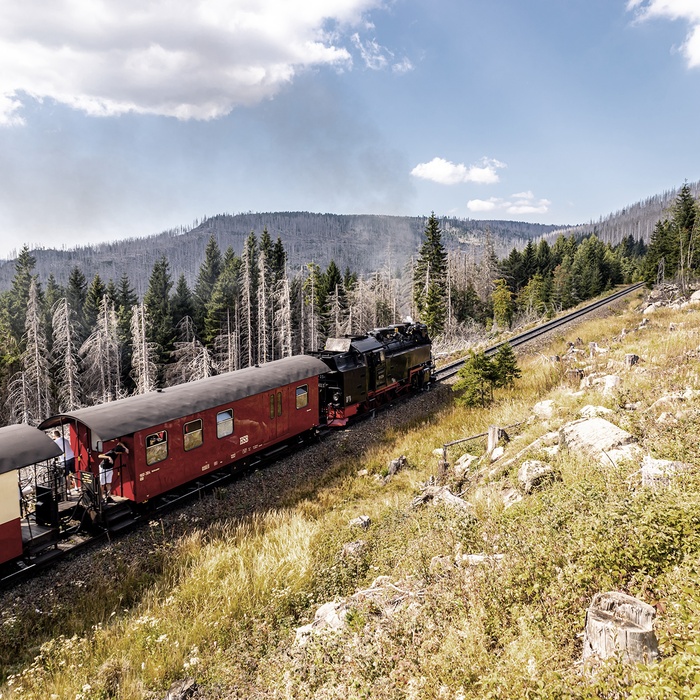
(107, 467)
(68, 458)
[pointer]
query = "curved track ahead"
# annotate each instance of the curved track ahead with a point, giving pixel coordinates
(452, 368)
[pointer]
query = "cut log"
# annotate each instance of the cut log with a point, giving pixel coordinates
(617, 623)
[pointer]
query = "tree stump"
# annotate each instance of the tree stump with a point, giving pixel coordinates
(631, 359)
(617, 623)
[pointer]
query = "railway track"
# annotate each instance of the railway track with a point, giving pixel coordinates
(24, 570)
(452, 368)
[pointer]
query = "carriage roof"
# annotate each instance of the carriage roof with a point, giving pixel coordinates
(22, 444)
(116, 419)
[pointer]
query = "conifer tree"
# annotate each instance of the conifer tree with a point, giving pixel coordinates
(249, 296)
(159, 322)
(502, 299)
(76, 292)
(505, 367)
(429, 278)
(93, 300)
(19, 294)
(182, 304)
(208, 274)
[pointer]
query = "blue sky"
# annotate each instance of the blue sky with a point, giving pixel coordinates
(125, 118)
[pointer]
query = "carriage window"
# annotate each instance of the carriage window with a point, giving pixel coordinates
(156, 447)
(279, 404)
(192, 434)
(302, 396)
(224, 423)
(272, 406)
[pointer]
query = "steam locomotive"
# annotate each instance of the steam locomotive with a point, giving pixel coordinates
(190, 433)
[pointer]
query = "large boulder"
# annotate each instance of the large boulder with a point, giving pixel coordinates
(600, 439)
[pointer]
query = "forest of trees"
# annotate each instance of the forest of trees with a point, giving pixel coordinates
(88, 341)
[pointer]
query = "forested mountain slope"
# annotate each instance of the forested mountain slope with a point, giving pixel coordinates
(364, 243)
(636, 220)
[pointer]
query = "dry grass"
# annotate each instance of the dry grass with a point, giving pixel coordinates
(224, 604)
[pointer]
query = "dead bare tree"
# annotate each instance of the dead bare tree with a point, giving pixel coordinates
(66, 359)
(191, 359)
(144, 370)
(29, 389)
(101, 354)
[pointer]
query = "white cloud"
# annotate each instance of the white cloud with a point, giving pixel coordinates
(688, 10)
(444, 172)
(520, 203)
(190, 59)
(481, 205)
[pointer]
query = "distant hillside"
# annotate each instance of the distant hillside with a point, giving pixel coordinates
(637, 220)
(362, 242)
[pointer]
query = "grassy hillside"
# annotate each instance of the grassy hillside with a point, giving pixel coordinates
(222, 603)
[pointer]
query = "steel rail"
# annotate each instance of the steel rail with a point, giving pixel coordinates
(451, 369)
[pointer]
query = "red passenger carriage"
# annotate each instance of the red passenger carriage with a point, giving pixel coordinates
(175, 435)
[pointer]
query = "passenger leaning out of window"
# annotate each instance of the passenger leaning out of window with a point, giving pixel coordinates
(107, 467)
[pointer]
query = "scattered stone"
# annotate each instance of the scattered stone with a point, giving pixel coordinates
(617, 623)
(477, 559)
(544, 409)
(666, 418)
(497, 453)
(657, 473)
(589, 411)
(354, 549)
(182, 690)
(397, 464)
(649, 309)
(363, 521)
(533, 474)
(439, 494)
(595, 349)
(441, 564)
(511, 497)
(463, 464)
(363, 472)
(600, 439)
(573, 377)
(695, 297)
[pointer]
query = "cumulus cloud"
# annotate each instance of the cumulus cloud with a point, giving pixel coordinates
(687, 10)
(189, 59)
(444, 172)
(519, 203)
(481, 205)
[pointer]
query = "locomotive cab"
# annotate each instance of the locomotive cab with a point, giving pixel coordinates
(369, 370)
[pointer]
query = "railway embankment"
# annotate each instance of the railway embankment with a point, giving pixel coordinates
(339, 572)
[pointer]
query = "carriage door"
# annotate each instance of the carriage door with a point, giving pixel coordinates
(278, 412)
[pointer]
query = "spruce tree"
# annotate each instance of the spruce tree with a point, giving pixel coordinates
(208, 274)
(429, 278)
(159, 321)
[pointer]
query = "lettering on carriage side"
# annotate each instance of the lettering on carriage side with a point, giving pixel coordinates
(243, 440)
(205, 467)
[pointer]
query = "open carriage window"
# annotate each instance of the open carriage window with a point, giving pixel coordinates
(156, 447)
(192, 434)
(302, 396)
(224, 423)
